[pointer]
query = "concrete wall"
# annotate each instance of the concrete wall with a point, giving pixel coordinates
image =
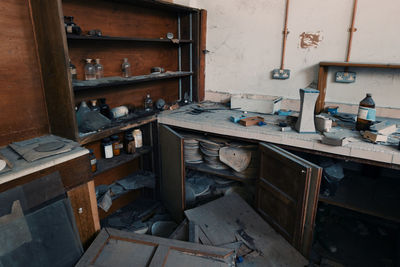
(245, 39)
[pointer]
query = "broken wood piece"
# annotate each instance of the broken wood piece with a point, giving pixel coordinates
(236, 158)
(181, 232)
(384, 128)
(193, 232)
(203, 238)
(222, 218)
(375, 137)
(323, 124)
(117, 248)
(250, 121)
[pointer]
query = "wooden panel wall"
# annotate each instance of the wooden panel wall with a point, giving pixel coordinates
(116, 19)
(141, 56)
(22, 104)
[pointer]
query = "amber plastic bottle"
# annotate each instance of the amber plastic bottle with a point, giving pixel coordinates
(366, 113)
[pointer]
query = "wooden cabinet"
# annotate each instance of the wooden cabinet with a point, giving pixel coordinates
(287, 188)
(136, 30)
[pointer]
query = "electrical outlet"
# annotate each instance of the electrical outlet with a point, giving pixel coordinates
(345, 77)
(280, 74)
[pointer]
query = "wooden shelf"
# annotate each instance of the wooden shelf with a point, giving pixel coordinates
(108, 164)
(71, 37)
(119, 81)
(359, 65)
(228, 174)
(85, 139)
(377, 197)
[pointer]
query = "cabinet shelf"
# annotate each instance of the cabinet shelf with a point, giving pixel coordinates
(228, 174)
(108, 164)
(72, 37)
(123, 126)
(377, 197)
(119, 81)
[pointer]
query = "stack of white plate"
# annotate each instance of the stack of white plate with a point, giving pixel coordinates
(210, 152)
(191, 150)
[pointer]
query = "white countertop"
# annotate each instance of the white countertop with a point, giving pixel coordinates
(218, 122)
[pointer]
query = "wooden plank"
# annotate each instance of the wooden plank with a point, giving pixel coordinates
(160, 256)
(173, 171)
(94, 250)
(86, 215)
(118, 81)
(322, 82)
(202, 53)
(53, 54)
(115, 130)
(200, 250)
(23, 109)
(223, 218)
(181, 232)
(360, 65)
(193, 232)
(72, 37)
(118, 248)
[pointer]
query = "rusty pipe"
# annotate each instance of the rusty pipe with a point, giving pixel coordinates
(352, 30)
(285, 33)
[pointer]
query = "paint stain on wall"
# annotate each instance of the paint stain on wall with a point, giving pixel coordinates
(310, 39)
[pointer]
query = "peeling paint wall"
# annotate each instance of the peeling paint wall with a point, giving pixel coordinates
(245, 43)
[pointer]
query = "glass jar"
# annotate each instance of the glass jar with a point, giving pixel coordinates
(126, 68)
(107, 148)
(129, 143)
(116, 145)
(148, 103)
(99, 70)
(90, 73)
(137, 135)
(93, 160)
(72, 70)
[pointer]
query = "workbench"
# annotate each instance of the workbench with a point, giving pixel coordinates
(218, 122)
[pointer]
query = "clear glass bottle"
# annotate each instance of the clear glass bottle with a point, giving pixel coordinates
(126, 69)
(366, 113)
(94, 106)
(72, 70)
(99, 70)
(148, 103)
(90, 73)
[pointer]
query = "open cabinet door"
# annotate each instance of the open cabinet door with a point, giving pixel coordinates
(287, 195)
(172, 171)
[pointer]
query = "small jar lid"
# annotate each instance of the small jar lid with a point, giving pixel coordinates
(137, 131)
(106, 140)
(369, 94)
(114, 137)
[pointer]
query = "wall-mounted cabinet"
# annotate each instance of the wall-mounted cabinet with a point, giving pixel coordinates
(136, 30)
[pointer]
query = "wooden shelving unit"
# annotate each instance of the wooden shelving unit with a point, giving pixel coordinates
(377, 197)
(228, 174)
(323, 76)
(119, 81)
